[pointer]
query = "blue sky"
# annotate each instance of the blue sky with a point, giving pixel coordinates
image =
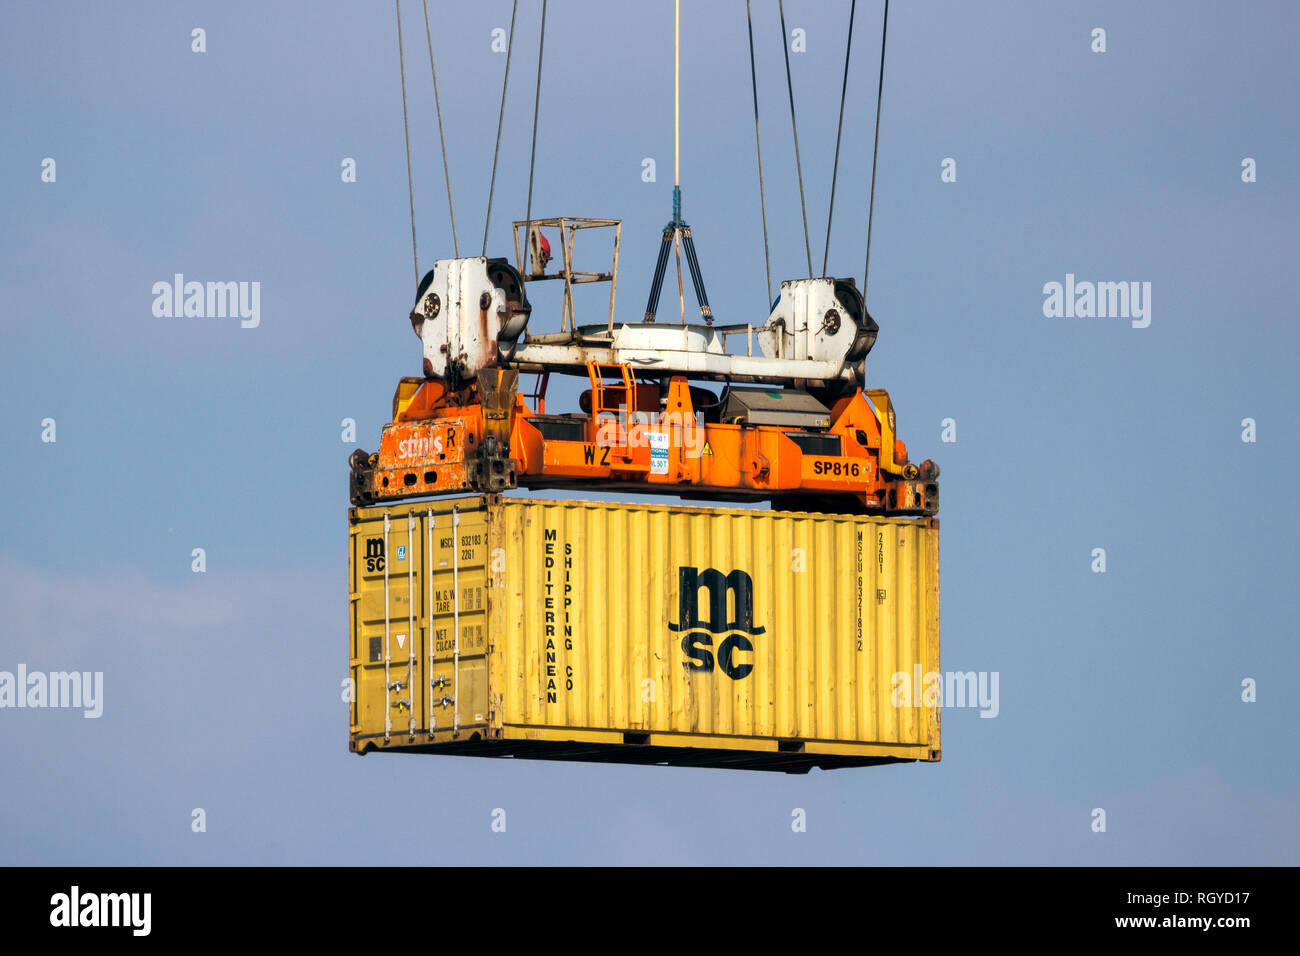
(1119, 690)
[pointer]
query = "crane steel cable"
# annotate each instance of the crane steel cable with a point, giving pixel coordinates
(410, 179)
(785, 48)
(537, 99)
(758, 143)
(875, 149)
(455, 242)
(677, 143)
(830, 213)
(510, 45)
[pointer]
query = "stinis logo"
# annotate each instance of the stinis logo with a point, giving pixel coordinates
(698, 635)
(419, 447)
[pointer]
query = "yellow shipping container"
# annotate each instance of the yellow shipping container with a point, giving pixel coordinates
(586, 630)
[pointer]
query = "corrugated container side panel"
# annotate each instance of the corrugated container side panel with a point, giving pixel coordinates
(900, 553)
(841, 632)
(635, 647)
(776, 607)
(774, 596)
(655, 698)
(673, 689)
(912, 585)
(858, 614)
(751, 708)
(764, 680)
(754, 708)
(804, 638)
(884, 552)
(847, 669)
(603, 579)
(820, 590)
(521, 673)
(886, 623)
(716, 553)
(700, 536)
(814, 666)
(927, 627)
(893, 601)
(621, 564)
(460, 596)
(851, 570)
(629, 710)
(930, 627)
(883, 604)
(669, 663)
(720, 554)
(547, 634)
(773, 609)
(764, 537)
(658, 667)
(841, 623)
(625, 714)
(810, 589)
(912, 624)
(681, 711)
(806, 621)
(831, 644)
(611, 585)
(786, 534)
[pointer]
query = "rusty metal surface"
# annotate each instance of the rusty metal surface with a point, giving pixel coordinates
(422, 458)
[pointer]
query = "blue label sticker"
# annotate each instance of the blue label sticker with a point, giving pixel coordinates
(658, 452)
(401, 552)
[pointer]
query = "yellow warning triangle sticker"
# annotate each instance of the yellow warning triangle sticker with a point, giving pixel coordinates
(708, 449)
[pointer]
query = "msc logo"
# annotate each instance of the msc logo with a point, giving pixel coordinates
(374, 554)
(699, 634)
